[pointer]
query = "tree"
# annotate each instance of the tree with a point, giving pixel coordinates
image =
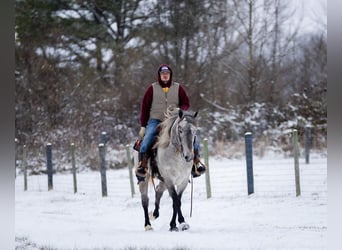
(71, 62)
(83, 66)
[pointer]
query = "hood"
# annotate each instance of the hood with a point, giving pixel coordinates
(158, 75)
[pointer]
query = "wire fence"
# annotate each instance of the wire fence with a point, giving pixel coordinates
(228, 179)
(278, 177)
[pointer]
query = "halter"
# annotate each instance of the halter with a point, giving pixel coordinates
(179, 148)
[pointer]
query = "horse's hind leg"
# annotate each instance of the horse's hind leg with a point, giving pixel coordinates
(159, 193)
(143, 187)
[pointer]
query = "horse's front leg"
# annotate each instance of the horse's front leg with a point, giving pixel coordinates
(176, 208)
(182, 224)
(159, 193)
(143, 187)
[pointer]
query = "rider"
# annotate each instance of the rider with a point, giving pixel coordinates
(157, 98)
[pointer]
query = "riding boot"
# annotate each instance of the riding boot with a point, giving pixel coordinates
(141, 169)
(198, 168)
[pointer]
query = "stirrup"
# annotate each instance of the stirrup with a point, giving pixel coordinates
(140, 171)
(140, 177)
(201, 168)
(198, 169)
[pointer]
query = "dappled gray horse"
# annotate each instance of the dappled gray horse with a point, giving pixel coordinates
(175, 154)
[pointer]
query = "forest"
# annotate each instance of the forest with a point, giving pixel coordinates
(82, 67)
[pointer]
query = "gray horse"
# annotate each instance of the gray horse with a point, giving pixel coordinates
(174, 161)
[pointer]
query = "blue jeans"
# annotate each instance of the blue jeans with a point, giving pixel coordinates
(150, 134)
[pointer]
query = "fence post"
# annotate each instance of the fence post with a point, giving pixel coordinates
(49, 165)
(307, 143)
(73, 166)
(130, 166)
(103, 137)
(296, 160)
(206, 162)
(249, 162)
(15, 156)
(24, 167)
(103, 169)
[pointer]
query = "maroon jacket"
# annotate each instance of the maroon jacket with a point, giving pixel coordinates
(184, 102)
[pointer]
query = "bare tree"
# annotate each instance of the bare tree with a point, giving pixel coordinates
(262, 27)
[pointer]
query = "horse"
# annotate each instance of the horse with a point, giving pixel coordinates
(172, 165)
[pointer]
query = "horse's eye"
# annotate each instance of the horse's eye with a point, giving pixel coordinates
(180, 130)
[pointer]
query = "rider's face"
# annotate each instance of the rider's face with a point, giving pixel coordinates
(165, 76)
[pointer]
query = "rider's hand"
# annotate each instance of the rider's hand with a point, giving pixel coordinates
(142, 132)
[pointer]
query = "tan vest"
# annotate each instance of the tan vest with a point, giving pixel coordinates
(161, 100)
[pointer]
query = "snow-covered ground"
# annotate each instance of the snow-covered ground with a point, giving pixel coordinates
(271, 218)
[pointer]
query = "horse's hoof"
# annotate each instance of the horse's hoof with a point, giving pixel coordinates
(184, 226)
(151, 216)
(148, 228)
(174, 229)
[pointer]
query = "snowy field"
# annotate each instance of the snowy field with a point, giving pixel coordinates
(271, 218)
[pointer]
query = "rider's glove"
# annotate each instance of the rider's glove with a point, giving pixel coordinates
(142, 132)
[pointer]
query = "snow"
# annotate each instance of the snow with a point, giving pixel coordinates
(271, 218)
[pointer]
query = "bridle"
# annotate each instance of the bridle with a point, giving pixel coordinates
(180, 148)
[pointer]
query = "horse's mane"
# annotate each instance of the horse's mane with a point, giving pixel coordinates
(164, 136)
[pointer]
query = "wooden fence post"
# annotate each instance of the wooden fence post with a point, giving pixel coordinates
(103, 169)
(296, 160)
(207, 172)
(49, 165)
(130, 166)
(73, 166)
(24, 167)
(307, 143)
(249, 162)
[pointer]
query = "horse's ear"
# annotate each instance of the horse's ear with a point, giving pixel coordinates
(196, 113)
(180, 113)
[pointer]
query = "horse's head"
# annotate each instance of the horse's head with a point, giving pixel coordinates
(184, 134)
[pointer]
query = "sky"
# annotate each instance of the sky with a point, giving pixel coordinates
(271, 218)
(313, 13)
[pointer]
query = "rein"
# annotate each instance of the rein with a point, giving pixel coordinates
(191, 178)
(191, 194)
(179, 148)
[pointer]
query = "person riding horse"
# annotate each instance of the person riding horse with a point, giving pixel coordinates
(158, 97)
